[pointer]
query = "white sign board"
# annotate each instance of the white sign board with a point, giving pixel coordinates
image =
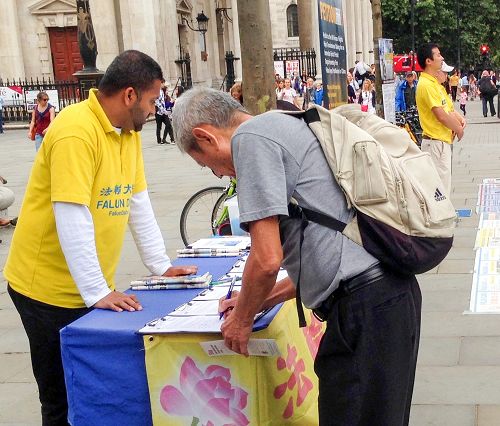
(12, 95)
(30, 96)
(291, 67)
(279, 68)
(389, 97)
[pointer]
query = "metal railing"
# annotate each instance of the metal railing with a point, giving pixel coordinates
(17, 107)
(306, 60)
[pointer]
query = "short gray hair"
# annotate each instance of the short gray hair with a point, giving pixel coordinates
(202, 105)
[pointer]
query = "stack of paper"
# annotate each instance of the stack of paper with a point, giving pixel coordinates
(229, 246)
(172, 283)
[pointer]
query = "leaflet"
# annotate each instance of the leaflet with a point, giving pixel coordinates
(256, 347)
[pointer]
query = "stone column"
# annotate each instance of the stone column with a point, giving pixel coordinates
(371, 54)
(11, 56)
(236, 37)
(350, 26)
(366, 22)
(358, 29)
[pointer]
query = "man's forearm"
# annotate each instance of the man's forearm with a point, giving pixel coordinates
(283, 290)
(450, 122)
(256, 287)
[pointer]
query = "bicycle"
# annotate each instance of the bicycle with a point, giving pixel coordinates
(409, 121)
(204, 204)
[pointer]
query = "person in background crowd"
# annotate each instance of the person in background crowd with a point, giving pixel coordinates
(318, 93)
(367, 97)
(309, 95)
(487, 91)
(454, 79)
(1, 114)
(493, 77)
(366, 358)
(406, 93)
(464, 82)
(472, 86)
(279, 90)
(86, 185)
(179, 90)
(439, 121)
(361, 71)
(463, 100)
(161, 117)
(288, 94)
(303, 82)
(42, 115)
(236, 92)
(6, 200)
(351, 91)
(296, 84)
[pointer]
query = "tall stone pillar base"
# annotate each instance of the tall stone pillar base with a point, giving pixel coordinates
(88, 80)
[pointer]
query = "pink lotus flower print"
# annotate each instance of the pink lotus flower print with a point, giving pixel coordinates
(297, 380)
(207, 397)
(313, 334)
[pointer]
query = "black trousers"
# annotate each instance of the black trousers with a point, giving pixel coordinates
(367, 358)
(454, 92)
(42, 323)
(163, 119)
(488, 100)
(462, 107)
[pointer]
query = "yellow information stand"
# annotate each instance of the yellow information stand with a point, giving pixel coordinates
(188, 387)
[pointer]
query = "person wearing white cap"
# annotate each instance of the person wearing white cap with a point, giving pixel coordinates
(440, 123)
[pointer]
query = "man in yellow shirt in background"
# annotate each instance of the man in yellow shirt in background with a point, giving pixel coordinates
(440, 123)
(86, 185)
(454, 80)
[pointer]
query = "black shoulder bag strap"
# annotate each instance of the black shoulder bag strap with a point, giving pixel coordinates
(306, 215)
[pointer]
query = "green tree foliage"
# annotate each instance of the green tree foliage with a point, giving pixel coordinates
(436, 21)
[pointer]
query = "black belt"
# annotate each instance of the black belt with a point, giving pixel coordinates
(424, 136)
(370, 276)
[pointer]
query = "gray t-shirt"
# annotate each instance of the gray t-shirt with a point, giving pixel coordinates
(277, 157)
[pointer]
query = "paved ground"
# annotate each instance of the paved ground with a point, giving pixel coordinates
(458, 376)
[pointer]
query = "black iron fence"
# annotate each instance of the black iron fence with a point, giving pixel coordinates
(295, 60)
(20, 96)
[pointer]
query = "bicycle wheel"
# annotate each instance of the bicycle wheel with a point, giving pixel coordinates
(198, 214)
(220, 217)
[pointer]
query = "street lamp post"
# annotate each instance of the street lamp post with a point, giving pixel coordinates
(202, 23)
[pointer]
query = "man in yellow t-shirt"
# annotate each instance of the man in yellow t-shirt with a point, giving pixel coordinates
(440, 123)
(454, 80)
(86, 185)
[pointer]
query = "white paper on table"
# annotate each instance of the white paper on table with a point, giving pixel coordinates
(197, 308)
(215, 292)
(256, 347)
(183, 324)
(233, 242)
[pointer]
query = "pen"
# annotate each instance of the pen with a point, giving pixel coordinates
(228, 295)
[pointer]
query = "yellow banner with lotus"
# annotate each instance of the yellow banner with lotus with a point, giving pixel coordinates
(187, 387)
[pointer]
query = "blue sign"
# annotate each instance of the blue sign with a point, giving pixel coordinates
(333, 53)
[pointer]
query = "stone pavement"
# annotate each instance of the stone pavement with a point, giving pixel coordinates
(458, 375)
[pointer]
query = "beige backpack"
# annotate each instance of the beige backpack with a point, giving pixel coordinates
(404, 217)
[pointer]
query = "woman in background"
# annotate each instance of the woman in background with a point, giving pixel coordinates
(43, 114)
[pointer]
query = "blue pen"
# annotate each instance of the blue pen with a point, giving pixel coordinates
(228, 295)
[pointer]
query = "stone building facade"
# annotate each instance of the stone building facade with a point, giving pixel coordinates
(38, 37)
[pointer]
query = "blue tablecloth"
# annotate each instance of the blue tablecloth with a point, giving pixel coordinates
(103, 356)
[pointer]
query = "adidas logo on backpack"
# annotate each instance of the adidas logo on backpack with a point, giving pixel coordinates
(438, 196)
(402, 218)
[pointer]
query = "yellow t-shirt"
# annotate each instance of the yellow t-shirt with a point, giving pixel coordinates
(431, 94)
(82, 160)
(454, 79)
